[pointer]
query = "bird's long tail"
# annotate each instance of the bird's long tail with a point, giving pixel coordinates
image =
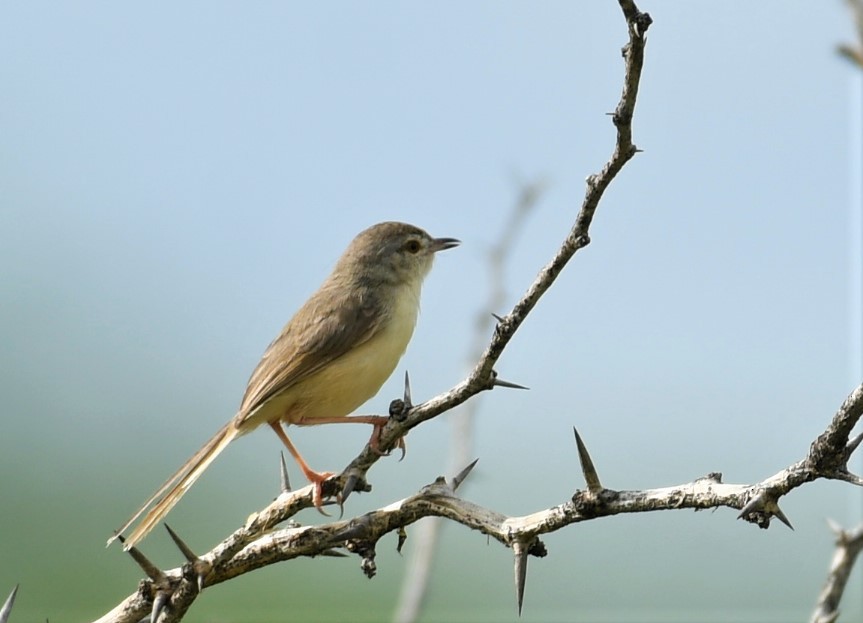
(176, 486)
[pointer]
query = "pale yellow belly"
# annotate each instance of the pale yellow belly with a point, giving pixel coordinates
(349, 381)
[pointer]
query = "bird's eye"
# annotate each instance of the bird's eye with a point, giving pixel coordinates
(412, 246)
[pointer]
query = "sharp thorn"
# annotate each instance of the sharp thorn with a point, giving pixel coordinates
(284, 480)
(403, 447)
(750, 506)
(7, 605)
(852, 445)
(587, 468)
(496, 382)
(200, 578)
(159, 602)
(350, 483)
(781, 516)
(185, 549)
(459, 478)
(333, 553)
(496, 317)
(501, 383)
(153, 572)
(520, 553)
(407, 396)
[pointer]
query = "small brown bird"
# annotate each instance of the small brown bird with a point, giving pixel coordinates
(332, 356)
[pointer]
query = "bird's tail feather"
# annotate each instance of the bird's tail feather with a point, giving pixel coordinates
(176, 486)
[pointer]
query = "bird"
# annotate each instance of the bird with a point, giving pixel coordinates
(333, 355)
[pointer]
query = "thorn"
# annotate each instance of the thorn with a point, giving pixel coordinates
(780, 515)
(765, 505)
(181, 545)
(403, 536)
(852, 445)
(496, 382)
(284, 481)
(496, 317)
(587, 468)
(407, 396)
(159, 602)
(333, 553)
(201, 567)
(153, 572)
(520, 554)
(459, 478)
(350, 483)
(502, 383)
(7, 605)
(750, 506)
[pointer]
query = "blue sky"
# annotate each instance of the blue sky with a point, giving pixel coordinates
(177, 179)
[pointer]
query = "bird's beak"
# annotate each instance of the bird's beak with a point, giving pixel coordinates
(442, 244)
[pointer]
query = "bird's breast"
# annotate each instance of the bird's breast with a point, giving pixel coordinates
(352, 379)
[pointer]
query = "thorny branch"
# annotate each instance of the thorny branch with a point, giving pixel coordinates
(166, 595)
(849, 544)
(248, 545)
(252, 546)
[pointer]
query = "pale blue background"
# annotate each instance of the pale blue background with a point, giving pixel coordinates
(176, 179)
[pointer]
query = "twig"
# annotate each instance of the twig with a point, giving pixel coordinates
(849, 544)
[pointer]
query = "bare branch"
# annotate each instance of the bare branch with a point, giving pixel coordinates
(255, 546)
(849, 544)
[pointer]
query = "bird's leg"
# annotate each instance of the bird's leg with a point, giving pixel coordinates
(316, 478)
(378, 421)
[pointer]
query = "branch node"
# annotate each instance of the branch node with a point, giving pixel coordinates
(153, 572)
(760, 509)
(640, 23)
(364, 548)
(200, 568)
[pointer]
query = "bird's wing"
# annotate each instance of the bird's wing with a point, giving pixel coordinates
(330, 324)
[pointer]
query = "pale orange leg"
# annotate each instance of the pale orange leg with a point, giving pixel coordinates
(378, 421)
(316, 478)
